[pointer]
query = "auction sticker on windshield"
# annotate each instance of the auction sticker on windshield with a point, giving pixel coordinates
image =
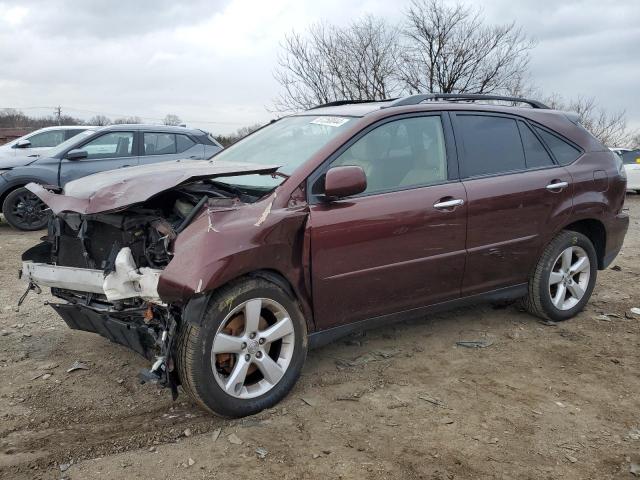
(330, 121)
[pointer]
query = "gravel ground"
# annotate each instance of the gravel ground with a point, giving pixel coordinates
(399, 402)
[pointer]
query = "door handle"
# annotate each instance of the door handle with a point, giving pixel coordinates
(448, 204)
(556, 185)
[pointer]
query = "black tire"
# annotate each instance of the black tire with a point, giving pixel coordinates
(194, 359)
(25, 211)
(539, 302)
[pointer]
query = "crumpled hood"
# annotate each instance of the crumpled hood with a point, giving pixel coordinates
(115, 189)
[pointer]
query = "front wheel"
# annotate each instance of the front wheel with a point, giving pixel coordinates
(564, 277)
(25, 211)
(248, 352)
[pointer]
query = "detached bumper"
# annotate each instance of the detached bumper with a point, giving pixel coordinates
(126, 281)
(128, 334)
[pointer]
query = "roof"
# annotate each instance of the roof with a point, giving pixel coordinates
(155, 128)
(422, 102)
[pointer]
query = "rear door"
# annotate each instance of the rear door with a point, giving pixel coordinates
(108, 151)
(164, 146)
(396, 246)
(516, 193)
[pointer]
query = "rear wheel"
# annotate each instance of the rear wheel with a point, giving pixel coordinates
(564, 277)
(248, 352)
(25, 211)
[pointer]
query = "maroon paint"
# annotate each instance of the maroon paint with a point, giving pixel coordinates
(115, 189)
(509, 219)
(344, 181)
(383, 253)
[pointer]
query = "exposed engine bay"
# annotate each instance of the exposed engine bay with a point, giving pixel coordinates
(106, 267)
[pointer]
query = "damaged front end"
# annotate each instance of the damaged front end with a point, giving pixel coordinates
(107, 248)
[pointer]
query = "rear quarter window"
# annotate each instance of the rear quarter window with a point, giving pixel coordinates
(564, 152)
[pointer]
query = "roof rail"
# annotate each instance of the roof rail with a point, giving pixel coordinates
(416, 99)
(337, 103)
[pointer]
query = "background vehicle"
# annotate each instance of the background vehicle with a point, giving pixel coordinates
(38, 142)
(631, 160)
(620, 150)
(340, 218)
(93, 150)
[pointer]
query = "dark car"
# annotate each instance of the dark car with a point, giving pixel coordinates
(322, 223)
(92, 150)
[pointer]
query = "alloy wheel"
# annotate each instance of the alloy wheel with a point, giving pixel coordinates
(569, 277)
(28, 210)
(252, 348)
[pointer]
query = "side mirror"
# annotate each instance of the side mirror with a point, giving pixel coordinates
(345, 181)
(23, 144)
(76, 154)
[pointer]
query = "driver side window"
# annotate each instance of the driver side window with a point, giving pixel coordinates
(400, 154)
(110, 145)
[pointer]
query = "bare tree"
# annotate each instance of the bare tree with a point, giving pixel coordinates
(634, 142)
(100, 120)
(172, 119)
(609, 128)
(329, 63)
(12, 118)
(452, 50)
(226, 140)
(127, 120)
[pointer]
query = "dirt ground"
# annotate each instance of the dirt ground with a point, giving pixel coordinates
(403, 402)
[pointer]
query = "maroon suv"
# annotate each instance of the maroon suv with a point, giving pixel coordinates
(343, 217)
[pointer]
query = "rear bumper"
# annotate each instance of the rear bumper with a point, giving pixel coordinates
(616, 231)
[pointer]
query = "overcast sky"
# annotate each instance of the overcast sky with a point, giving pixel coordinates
(211, 62)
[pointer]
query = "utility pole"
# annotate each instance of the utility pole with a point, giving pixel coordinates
(58, 113)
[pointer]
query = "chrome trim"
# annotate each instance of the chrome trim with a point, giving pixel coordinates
(448, 204)
(557, 185)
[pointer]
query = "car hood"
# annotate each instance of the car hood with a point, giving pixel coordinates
(115, 189)
(7, 160)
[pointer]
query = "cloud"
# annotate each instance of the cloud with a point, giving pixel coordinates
(211, 62)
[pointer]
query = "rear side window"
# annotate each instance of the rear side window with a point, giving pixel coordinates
(159, 143)
(564, 152)
(491, 145)
(183, 143)
(535, 153)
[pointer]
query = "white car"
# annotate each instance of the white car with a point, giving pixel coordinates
(38, 142)
(631, 160)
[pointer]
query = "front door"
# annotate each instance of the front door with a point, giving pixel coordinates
(516, 193)
(398, 245)
(106, 152)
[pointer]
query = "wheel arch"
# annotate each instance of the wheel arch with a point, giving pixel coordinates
(195, 307)
(16, 184)
(595, 231)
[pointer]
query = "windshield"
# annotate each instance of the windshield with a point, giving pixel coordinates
(69, 143)
(289, 142)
